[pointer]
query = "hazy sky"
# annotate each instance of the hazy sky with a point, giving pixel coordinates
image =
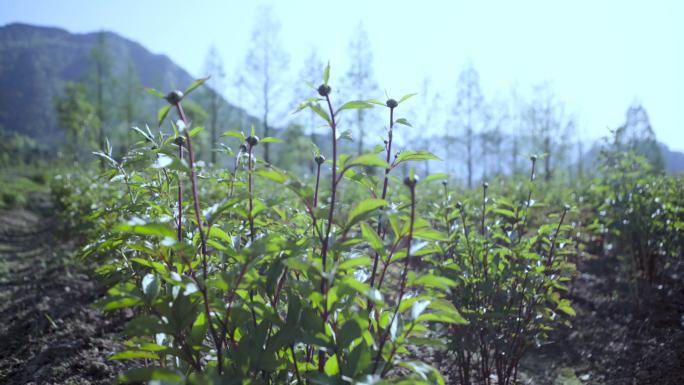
(600, 55)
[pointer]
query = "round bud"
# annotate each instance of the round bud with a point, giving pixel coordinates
(459, 205)
(252, 140)
(567, 207)
(324, 90)
(391, 103)
(319, 159)
(179, 141)
(533, 158)
(174, 97)
(411, 181)
(444, 182)
(485, 185)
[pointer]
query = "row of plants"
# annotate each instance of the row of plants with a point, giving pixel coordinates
(359, 275)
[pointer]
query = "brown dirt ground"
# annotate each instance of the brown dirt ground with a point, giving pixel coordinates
(49, 331)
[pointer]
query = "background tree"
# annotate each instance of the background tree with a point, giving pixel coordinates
(265, 65)
(468, 116)
(359, 82)
(637, 135)
(130, 107)
(101, 85)
(550, 125)
(213, 66)
(77, 117)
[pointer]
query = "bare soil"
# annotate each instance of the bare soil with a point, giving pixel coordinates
(49, 331)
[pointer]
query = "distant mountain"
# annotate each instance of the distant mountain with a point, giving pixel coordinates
(36, 62)
(674, 160)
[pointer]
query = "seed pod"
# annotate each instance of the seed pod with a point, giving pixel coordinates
(179, 141)
(324, 90)
(411, 181)
(174, 97)
(252, 140)
(391, 103)
(319, 159)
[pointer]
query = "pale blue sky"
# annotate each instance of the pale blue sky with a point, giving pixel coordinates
(600, 55)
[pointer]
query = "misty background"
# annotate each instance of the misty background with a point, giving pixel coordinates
(495, 81)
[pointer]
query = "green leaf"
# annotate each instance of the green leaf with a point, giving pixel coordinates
(564, 306)
(355, 262)
(161, 115)
(326, 73)
(418, 308)
(121, 302)
(375, 101)
(424, 371)
(403, 121)
(195, 131)
(274, 175)
(363, 208)
(405, 156)
(318, 110)
(148, 374)
(235, 134)
(154, 92)
(439, 176)
(154, 229)
(406, 97)
(430, 235)
(368, 160)
(372, 238)
(354, 104)
(195, 84)
(150, 287)
(134, 354)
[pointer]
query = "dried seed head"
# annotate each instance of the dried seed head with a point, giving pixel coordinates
(319, 159)
(391, 103)
(179, 141)
(324, 90)
(174, 97)
(252, 140)
(411, 181)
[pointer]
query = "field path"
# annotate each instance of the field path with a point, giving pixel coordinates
(49, 333)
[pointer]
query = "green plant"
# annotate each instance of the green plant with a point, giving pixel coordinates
(268, 281)
(510, 275)
(641, 218)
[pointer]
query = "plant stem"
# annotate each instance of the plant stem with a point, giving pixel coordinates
(404, 275)
(198, 217)
(318, 178)
(331, 211)
(179, 234)
(385, 184)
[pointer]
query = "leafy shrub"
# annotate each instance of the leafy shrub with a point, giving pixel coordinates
(510, 278)
(253, 276)
(641, 218)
